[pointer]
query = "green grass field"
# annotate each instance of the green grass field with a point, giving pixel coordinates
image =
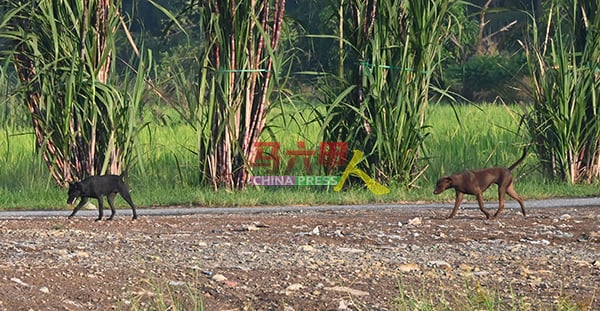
(165, 170)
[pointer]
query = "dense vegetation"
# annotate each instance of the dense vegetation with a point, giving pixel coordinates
(92, 80)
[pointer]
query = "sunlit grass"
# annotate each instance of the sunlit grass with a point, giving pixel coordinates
(167, 157)
(168, 295)
(165, 170)
(473, 296)
(481, 136)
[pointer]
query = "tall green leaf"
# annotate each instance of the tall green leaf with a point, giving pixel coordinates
(84, 119)
(563, 61)
(393, 49)
(240, 74)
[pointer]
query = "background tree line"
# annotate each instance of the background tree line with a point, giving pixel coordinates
(482, 57)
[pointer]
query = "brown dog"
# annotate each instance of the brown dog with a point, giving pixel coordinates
(476, 182)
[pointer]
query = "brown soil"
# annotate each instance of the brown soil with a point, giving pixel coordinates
(344, 260)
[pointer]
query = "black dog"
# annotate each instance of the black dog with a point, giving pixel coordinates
(97, 187)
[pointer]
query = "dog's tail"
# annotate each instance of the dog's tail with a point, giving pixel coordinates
(520, 159)
(123, 174)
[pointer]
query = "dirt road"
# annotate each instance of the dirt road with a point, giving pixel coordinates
(357, 258)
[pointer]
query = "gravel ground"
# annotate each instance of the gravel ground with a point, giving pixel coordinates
(357, 259)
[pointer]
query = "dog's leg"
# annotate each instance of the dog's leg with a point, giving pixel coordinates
(513, 194)
(480, 201)
(100, 208)
(457, 201)
(110, 198)
(79, 206)
(127, 197)
(501, 197)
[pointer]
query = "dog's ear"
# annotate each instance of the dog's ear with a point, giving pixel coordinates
(443, 179)
(74, 185)
(443, 184)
